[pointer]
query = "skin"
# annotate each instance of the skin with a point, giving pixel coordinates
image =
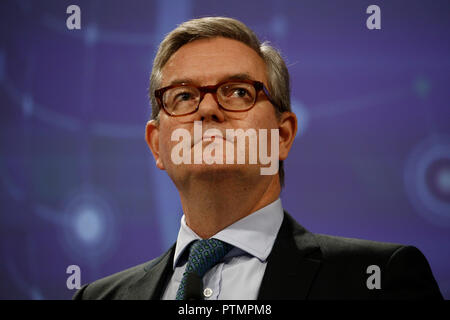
(215, 196)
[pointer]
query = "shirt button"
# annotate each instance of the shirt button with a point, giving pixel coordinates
(207, 292)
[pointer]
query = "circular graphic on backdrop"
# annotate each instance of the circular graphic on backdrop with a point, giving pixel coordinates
(437, 177)
(427, 179)
(89, 225)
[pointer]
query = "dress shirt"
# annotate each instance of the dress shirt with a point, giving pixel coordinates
(240, 273)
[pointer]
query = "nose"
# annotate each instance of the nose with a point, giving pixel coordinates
(209, 109)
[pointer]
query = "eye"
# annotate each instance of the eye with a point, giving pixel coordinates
(183, 96)
(239, 92)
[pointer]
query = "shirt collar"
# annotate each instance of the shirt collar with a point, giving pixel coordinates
(254, 234)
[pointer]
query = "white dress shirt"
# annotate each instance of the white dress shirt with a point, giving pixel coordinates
(240, 273)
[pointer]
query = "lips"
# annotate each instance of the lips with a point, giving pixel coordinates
(201, 133)
(208, 138)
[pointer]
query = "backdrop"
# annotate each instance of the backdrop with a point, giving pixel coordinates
(78, 185)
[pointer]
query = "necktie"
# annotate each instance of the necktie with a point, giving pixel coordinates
(203, 255)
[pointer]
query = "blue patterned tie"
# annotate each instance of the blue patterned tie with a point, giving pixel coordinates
(203, 255)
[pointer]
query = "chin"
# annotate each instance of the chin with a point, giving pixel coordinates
(223, 171)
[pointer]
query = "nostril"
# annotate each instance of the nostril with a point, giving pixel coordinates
(213, 117)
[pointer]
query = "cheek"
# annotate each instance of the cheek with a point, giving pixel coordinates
(166, 145)
(263, 118)
(165, 142)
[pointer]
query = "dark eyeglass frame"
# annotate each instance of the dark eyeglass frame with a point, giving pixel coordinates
(259, 86)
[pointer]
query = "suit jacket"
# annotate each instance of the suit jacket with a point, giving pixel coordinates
(302, 265)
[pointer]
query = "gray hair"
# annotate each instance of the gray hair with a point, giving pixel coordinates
(212, 27)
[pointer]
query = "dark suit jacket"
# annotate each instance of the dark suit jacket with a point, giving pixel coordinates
(302, 265)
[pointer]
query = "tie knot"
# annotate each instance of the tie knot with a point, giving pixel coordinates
(205, 254)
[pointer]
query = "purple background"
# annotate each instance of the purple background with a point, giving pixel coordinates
(78, 184)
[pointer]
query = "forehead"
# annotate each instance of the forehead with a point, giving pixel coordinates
(208, 61)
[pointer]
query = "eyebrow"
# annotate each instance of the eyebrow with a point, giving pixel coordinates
(237, 76)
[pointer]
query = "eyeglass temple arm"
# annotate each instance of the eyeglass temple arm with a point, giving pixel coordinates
(266, 92)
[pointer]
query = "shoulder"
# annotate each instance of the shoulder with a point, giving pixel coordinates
(392, 257)
(116, 286)
(402, 270)
(335, 247)
(357, 255)
(385, 254)
(348, 263)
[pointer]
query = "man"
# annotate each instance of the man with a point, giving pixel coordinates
(210, 76)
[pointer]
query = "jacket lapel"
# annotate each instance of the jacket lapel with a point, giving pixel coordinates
(292, 265)
(151, 285)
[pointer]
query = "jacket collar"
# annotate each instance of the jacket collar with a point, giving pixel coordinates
(151, 285)
(292, 265)
(281, 280)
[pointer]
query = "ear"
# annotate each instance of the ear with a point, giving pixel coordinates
(152, 138)
(287, 131)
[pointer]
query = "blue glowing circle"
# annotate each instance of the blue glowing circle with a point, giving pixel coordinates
(438, 178)
(422, 86)
(89, 225)
(427, 179)
(91, 34)
(27, 105)
(443, 180)
(279, 25)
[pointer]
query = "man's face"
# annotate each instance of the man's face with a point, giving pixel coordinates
(208, 62)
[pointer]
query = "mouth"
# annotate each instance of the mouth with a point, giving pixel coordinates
(207, 133)
(208, 138)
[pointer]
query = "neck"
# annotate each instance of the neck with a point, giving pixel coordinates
(210, 205)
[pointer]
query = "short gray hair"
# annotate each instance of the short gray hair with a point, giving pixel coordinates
(212, 27)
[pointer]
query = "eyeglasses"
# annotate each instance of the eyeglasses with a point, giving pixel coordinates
(232, 95)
